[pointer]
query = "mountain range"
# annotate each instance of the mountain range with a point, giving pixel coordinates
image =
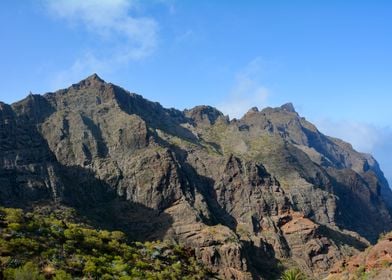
(249, 195)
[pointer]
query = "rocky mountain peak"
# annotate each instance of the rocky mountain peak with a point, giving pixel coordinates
(87, 95)
(246, 194)
(5, 111)
(288, 107)
(251, 112)
(94, 77)
(91, 81)
(204, 114)
(2, 105)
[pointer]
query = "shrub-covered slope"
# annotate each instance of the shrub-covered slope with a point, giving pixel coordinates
(49, 244)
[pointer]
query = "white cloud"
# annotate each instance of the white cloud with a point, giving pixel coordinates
(122, 37)
(82, 67)
(111, 21)
(247, 91)
(364, 137)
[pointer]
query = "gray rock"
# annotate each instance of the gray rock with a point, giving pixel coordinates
(246, 194)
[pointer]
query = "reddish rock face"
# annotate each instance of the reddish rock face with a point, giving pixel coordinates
(245, 194)
(298, 223)
(374, 263)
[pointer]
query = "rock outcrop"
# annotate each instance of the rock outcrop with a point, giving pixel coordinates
(373, 264)
(247, 194)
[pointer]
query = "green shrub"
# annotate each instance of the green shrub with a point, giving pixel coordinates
(14, 226)
(37, 246)
(293, 274)
(13, 215)
(62, 275)
(27, 272)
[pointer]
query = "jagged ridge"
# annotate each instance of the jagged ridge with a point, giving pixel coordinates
(245, 193)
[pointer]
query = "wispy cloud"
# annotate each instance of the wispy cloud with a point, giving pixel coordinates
(111, 21)
(170, 4)
(247, 91)
(83, 66)
(364, 137)
(124, 37)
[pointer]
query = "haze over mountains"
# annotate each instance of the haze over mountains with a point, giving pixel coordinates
(246, 193)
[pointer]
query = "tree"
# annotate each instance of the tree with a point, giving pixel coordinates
(293, 274)
(62, 275)
(27, 272)
(13, 215)
(90, 268)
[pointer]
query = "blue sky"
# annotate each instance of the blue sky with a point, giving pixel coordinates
(332, 59)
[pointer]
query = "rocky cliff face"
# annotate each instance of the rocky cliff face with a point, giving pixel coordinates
(374, 264)
(247, 194)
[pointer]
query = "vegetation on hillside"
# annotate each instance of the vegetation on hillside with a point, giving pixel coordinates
(373, 263)
(52, 245)
(293, 274)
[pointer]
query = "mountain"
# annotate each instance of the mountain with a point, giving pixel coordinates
(250, 195)
(375, 263)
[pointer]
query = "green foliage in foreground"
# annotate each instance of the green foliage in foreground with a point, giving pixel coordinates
(51, 246)
(293, 274)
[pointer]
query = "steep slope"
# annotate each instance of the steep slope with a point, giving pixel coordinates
(375, 263)
(47, 244)
(246, 194)
(312, 167)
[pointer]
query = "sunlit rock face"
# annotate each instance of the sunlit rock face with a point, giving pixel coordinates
(246, 194)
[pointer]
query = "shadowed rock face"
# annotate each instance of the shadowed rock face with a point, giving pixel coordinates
(245, 193)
